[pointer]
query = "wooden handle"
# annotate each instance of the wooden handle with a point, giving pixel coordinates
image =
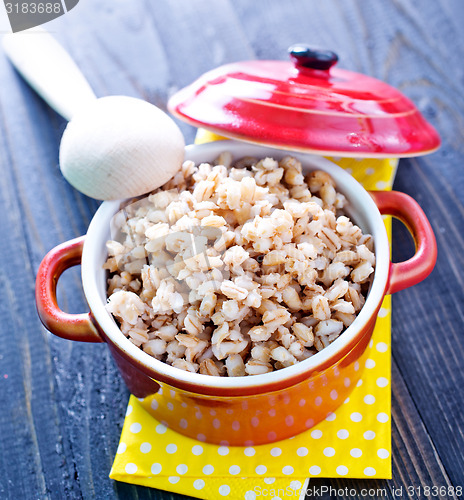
(49, 70)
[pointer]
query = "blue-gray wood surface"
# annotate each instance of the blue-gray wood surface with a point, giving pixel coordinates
(63, 403)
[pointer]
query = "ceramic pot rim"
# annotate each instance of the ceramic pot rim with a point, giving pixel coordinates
(93, 278)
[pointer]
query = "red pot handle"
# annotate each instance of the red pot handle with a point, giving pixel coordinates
(417, 268)
(68, 326)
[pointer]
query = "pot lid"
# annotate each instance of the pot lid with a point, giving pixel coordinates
(306, 105)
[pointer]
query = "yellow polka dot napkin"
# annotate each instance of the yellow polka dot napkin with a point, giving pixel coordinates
(354, 442)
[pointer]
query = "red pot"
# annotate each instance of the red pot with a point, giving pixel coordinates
(241, 410)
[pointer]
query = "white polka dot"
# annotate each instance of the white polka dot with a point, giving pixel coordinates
(276, 452)
(359, 383)
(314, 470)
(223, 451)
(369, 435)
(371, 343)
(272, 412)
(370, 363)
(309, 423)
(343, 434)
(224, 490)
(198, 484)
(154, 404)
(135, 427)
(170, 406)
(156, 468)
(129, 410)
(121, 448)
(234, 470)
(198, 415)
(346, 382)
(369, 399)
(173, 479)
(183, 424)
(249, 452)
(216, 423)
(130, 468)
(145, 447)
(370, 471)
(302, 402)
(383, 312)
(381, 346)
(181, 469)
(287, 470)
(269, 480)
(356, 416)
(295, 485)
(289, 420)
(171, 448)
(172, 393)
(382, 382)
(212, 412)
(342, 470)
(356, 452)
(333, 394)
(356, 366)
(184, 405)
(236, 425)
(197, 450)
(201, 437)
(331, 417)
(160, 391)
(347, 400)
(208, 469)
(382, 417)
(229, 411)
(370, 171)
(250, 495)
(329, 452)
(302, 452)
(383, 453)
(261, 469)
(161, 429)
(316, 434)
(381, 185)
(318, 401)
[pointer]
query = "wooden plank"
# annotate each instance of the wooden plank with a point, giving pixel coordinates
(30, 425)
(427, 330)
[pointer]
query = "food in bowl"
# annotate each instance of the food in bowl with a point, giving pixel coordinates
(238, 267)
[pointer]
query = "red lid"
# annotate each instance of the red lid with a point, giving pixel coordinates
(307, 105)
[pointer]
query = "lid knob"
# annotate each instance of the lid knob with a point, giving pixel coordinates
(304, 56)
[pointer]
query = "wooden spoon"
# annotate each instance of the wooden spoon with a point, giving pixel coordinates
(113, 147)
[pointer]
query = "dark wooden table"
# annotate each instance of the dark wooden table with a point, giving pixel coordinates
(62, 403)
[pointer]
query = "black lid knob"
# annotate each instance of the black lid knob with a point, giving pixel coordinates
(304, 56)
